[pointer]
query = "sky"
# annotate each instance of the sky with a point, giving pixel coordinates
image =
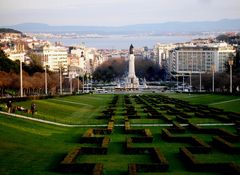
(115, 12)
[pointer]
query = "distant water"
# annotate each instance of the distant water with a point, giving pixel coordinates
(123, 42)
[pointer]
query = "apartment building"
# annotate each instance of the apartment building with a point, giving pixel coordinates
(55, 57)
(200, 58)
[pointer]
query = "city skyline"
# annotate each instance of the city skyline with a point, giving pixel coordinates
(115, 12)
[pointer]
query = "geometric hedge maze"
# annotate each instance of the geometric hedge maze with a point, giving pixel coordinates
(177, 132)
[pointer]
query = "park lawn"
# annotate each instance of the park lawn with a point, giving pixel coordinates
(226, 102)
(33, 148)
(70, 110)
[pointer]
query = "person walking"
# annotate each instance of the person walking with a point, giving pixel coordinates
(9, 106)
(33, 108)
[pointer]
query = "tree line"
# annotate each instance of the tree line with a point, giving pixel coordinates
(117, 68)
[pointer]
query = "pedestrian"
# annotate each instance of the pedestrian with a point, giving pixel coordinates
(33, 108)
(9, 106)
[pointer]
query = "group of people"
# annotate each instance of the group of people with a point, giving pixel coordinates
(11, 108)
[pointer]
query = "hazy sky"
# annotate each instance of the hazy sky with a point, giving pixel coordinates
(115, 12)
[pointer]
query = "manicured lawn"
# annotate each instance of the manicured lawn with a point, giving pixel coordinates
(226, 102)
(70, 110)
(28, 147)
(33, 148)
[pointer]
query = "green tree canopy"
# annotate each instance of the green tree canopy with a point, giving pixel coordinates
(118, 68)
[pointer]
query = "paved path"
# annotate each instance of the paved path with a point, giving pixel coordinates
(105, 125)
(222, 102)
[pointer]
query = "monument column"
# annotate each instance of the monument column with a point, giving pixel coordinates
(132, 81)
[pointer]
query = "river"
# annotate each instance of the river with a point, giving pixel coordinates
(123, 42)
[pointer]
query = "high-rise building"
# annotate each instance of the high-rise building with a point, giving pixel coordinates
(195, 59)
(55, 57)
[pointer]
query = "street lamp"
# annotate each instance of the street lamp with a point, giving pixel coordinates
(213, 71)
(91, 81)
(71, 85)
(78, 83)
(21, 79)
(183, 82)
(177, 81)
(230, 62)
(200, 81)
(83, 84)
(190, 74)
(46, 91)
(87, 82)
(60, 76)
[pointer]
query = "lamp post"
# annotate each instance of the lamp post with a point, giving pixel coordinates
(230, 62)
(21, 79)
(177, 81)
(71, 85)
(190, 74)
(83, 83)
(213, 71)
(200, 81)
(60, 77)
(183, 82)
(87, 82)
(46, 90)
(91, 81)
(78, 83)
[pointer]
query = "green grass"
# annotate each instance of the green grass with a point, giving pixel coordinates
(28, 147)
(226, 102)
(33, 148)
(70, 110)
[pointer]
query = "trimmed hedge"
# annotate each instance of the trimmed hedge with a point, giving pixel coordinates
(224, 145)
(71, 156)
(110, 127)
(132, 169)
(192, 163)
(98, 169)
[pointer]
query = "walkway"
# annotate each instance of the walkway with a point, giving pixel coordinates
(222, 102)
(105, 125)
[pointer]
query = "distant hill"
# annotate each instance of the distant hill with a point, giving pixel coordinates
(8, 30)
(154, 29)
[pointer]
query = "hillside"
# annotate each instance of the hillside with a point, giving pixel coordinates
(153, 29)
(8, 30)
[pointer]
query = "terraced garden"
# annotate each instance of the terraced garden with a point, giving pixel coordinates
(125, 134)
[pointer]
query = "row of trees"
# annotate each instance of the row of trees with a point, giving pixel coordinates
(111, 70)
(33, 77)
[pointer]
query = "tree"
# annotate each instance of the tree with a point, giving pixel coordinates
(117, 69)
(110, 70)
(6, 64)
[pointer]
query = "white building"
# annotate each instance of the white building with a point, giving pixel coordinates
(89, 58)
(17, 52)
(55, 57)
(195, 59)
(162, 52)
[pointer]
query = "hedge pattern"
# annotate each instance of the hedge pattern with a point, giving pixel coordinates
(174, 112)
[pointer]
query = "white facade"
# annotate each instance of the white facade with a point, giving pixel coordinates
(197, 59)
(162, 52)
(17, 56)
(89, 59)
(55, 57)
